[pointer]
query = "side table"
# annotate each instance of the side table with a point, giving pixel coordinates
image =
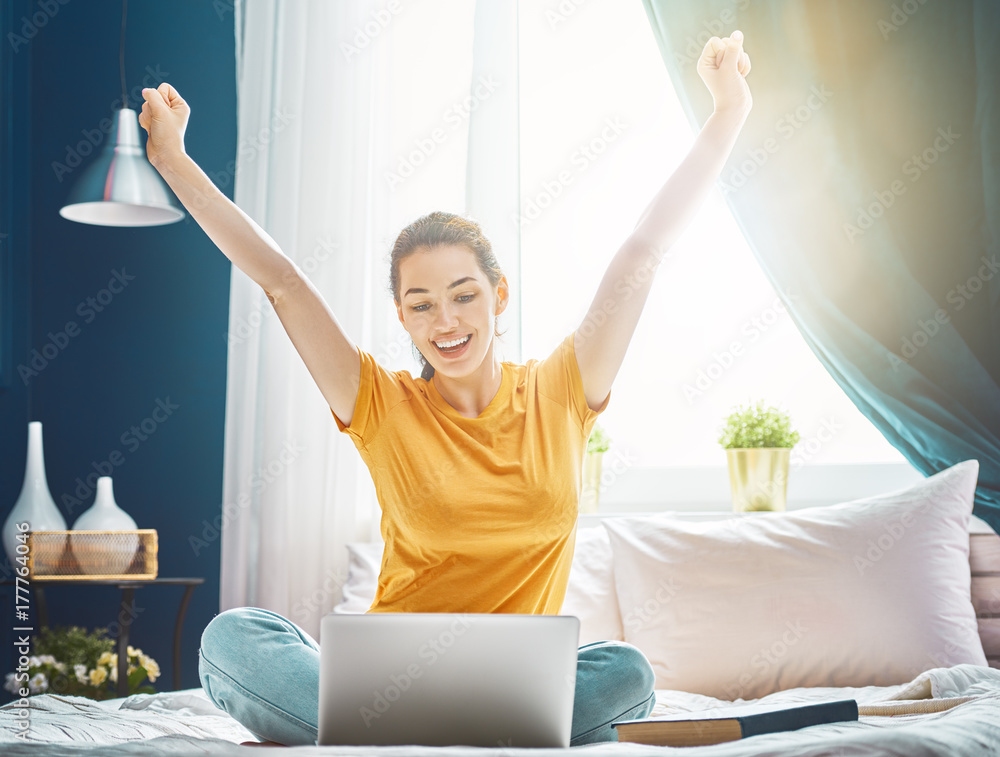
(125, 615)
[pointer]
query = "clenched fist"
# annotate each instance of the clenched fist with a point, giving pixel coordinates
(723, 67)
(164, 116)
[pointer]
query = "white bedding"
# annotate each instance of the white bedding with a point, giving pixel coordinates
(185, 722)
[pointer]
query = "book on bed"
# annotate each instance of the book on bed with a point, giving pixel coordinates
(730, 724)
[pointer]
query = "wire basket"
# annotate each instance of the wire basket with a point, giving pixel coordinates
(92, 555)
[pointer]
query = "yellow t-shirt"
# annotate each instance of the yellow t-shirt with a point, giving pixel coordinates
(478, 514)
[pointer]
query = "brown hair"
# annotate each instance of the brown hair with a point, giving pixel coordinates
(432, 230)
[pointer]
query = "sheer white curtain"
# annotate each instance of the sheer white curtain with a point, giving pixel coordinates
(355, 118)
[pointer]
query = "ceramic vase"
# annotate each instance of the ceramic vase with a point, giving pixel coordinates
(111, 554)
(34, 505)
(104, 514)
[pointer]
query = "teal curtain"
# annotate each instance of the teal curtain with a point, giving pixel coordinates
(867, 183)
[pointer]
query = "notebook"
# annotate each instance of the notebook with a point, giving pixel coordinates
(731, 723)
(442, 679)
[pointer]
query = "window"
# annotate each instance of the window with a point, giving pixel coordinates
(601, 130)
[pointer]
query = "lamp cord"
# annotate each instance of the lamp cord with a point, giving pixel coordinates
(121, 55)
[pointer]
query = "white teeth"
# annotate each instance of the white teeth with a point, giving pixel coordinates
(453, 343)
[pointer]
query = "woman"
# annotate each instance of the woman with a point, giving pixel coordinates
(476, 462)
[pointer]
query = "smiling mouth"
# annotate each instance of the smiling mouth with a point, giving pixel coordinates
(450, 346)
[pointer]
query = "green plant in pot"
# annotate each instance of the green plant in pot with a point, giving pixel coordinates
(597, 444)
(758, 441)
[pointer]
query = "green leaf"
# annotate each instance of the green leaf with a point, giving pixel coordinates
(757, 426)
(135, 678)
(599, 441)
(73, 645)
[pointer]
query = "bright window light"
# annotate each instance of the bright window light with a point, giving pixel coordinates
(601, 130)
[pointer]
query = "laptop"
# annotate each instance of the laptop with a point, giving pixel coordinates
(443, 679)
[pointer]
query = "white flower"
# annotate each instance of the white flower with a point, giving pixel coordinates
(81, 673)
(11, 683)
(34, 661)
(47, 659)
(38, 683)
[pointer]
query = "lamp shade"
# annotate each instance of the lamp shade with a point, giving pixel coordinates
(121, 187)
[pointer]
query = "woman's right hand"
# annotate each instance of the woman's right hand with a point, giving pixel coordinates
(164, 116)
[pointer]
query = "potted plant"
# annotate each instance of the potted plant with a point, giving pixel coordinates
(597, 445)
(758, 441)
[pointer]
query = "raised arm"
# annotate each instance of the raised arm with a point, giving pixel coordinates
(604, 335)
(329, 354)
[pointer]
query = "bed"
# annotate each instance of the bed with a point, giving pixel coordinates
(736, 588)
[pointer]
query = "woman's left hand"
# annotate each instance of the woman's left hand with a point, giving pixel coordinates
(723, 67)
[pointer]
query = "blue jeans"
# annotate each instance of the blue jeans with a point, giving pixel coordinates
(264, 671)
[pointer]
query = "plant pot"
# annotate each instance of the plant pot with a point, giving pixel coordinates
(758, 478)
(591, 491)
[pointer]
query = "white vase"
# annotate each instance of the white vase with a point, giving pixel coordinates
(34, 505)
(104, 514)
(107, 555)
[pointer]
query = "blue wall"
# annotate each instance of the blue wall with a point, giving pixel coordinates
(159, 341)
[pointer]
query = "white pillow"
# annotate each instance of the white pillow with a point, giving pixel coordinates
(364, 561)
(590, 594)
(869, 592)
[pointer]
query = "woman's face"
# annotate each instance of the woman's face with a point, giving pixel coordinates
(448, 307)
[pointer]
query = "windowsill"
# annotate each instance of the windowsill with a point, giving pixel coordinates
(704, 489)
(590, 520)
(703, 493)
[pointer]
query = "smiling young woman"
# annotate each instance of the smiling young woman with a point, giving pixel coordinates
(449, 290)
(477, 461)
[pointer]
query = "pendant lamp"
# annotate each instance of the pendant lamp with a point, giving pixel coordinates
(121, 187)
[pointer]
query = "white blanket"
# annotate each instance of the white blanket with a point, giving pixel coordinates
(185, 722)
